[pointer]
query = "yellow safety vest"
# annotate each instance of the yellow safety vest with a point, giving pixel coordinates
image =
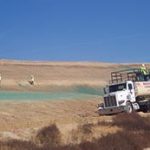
(144, 71)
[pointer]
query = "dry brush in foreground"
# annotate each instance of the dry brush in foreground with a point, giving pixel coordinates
(135, 134)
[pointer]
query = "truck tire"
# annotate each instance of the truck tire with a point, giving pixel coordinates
(129, 108)
(145, 106)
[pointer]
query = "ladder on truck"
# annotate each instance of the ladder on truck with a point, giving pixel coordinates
(124, 75)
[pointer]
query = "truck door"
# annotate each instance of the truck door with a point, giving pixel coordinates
(131, 94)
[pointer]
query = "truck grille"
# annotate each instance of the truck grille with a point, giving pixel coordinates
(110, 101)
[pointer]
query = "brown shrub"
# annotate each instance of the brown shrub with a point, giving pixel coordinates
(48, 136)
(119, 141)
(86, 128)
(133, 122)
(17, 145)
(82, 133)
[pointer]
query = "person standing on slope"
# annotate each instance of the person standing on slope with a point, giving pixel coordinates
(31, 81)
(144, 72)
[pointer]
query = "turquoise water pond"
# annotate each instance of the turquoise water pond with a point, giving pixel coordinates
(75, 93)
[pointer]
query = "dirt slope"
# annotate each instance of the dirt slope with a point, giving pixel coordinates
(22, 119)
(15, 74)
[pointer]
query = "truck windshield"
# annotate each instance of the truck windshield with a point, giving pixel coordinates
(117, 87)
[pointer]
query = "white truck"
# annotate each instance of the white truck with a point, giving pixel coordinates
(128, 91)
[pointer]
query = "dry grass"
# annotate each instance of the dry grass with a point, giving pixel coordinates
(132, 122)
(15, 74)
(18, 145)
(135, 134)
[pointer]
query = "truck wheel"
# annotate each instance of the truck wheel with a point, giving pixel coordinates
(145, 110)
(129, 108)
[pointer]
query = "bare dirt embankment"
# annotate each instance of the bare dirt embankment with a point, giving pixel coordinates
(22, 120)
(15, 74)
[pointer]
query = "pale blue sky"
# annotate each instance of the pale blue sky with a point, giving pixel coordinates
(75, 30)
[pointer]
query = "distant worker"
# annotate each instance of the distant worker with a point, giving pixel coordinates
(144, 72)
(31, 81)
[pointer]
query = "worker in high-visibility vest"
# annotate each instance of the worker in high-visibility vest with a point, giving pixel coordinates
(144, 70)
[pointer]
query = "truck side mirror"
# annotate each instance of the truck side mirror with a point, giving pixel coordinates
(104, 89)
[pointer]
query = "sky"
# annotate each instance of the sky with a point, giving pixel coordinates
(75, 30)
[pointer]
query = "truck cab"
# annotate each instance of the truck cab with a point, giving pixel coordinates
(123, 92)
(119, 94)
